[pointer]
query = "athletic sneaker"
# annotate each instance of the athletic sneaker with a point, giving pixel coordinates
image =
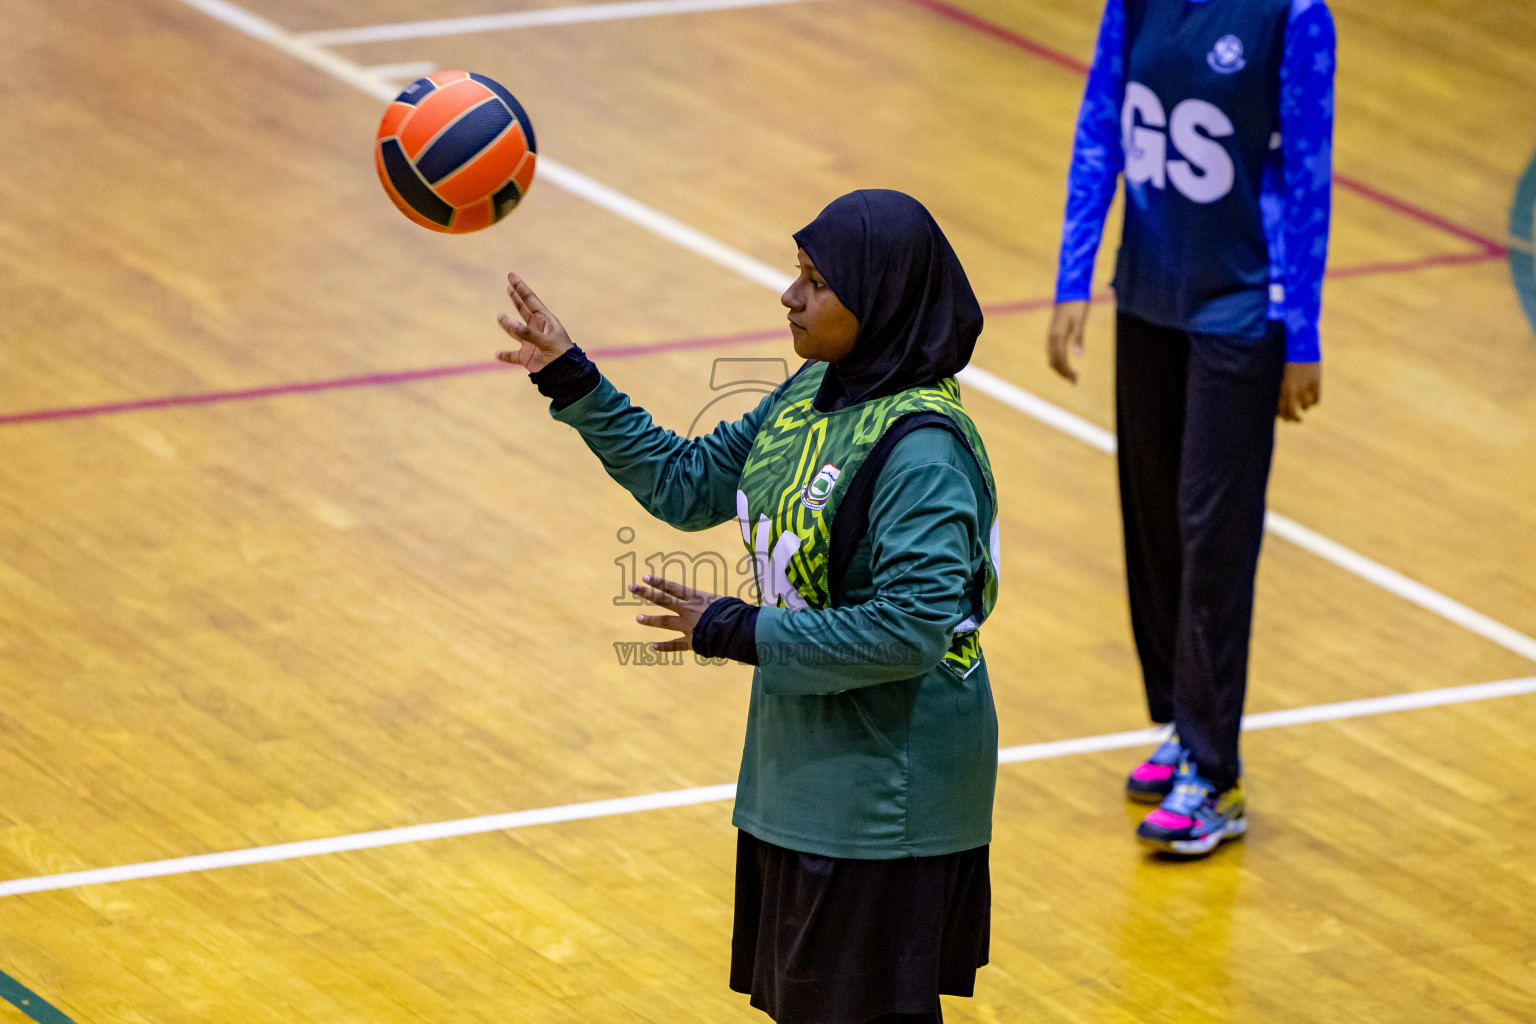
(1195, 818)
(1152, 780)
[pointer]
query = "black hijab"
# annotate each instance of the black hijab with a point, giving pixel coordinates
(884, 257)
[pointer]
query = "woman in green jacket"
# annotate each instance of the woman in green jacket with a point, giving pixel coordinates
(864, 494)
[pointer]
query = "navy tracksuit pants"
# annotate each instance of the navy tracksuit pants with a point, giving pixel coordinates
(1195, 414)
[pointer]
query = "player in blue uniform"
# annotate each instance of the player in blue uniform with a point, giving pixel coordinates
(1219, 115)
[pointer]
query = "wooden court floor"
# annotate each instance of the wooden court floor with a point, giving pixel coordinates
(284, 559)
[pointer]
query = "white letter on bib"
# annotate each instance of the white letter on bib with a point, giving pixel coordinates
(773, 584)
(1201, 153)
(1145, 150)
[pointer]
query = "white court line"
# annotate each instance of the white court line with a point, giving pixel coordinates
(260, 28)
(372, 840)
(1030, 404)
(726, 791)
(1010, 394)
(660, 224)
(755, 270)
(524, 19)
(556, 174)
(1273, 719)
(409, 70)
(1395, 582)
(1303, 537)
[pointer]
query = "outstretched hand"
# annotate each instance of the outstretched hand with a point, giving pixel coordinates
(541, 337)
(686, 604)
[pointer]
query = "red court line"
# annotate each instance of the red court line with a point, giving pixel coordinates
(210, 397)
(365, 380)
(975, 21)
(1418, 213)
(1448, 259)
(616, 352)
(1026, 305)
(1007, 35)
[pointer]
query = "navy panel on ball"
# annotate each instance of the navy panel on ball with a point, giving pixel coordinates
(460, 144)
(512, 105)
(411, 188)
(508, 196)
(416, 90)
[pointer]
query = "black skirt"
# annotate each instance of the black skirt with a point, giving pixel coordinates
(831, 940)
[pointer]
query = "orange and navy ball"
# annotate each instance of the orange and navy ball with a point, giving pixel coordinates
(455, 152)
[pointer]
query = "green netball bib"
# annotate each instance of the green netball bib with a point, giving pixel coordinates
(801, 465)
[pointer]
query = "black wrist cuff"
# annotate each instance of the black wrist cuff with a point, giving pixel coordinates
(567, 379)
(727, 629)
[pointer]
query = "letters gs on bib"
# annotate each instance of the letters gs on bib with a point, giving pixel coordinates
(1205, 172)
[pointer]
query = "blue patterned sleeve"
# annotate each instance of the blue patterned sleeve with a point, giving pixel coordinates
(1306, 132)
(1096, 159)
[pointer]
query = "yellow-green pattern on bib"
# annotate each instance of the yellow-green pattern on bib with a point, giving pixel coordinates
(801, 465)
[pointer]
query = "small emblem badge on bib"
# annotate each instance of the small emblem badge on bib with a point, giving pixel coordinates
(1226, 56)
(816, 493)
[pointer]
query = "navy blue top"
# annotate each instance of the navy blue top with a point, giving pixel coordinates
(1225, 108)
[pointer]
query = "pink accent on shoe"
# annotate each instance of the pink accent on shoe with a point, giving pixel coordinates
(1167, 819)
(1149, 772)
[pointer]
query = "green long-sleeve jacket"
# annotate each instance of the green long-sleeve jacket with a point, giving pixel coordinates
(860, 741)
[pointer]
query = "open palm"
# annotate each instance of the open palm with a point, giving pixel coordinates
(541, 337)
